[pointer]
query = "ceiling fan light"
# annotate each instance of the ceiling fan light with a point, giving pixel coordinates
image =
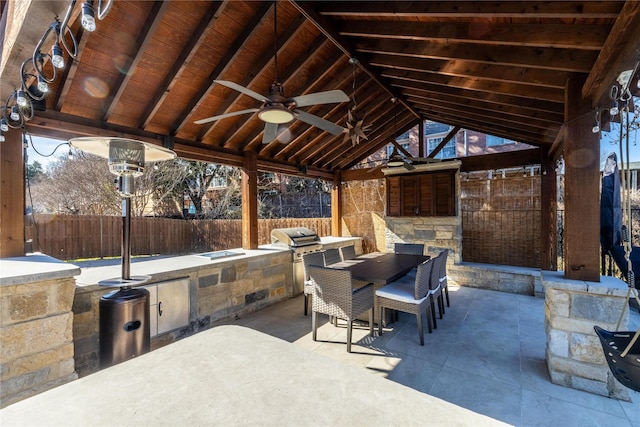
(395, 159)
(275, 114)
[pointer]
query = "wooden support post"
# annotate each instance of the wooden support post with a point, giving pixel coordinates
(12, 195)
(549, 213)
(336, 205)
(250, 201)
(581, 188)
(421, 138)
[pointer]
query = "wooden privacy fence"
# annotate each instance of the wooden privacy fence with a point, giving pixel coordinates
(69, 237)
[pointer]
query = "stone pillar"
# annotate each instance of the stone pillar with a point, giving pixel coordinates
(36, 326)
(574, 355)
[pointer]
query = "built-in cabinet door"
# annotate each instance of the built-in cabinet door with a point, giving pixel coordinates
(168, 306)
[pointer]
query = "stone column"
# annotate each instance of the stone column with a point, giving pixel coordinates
(574, 355)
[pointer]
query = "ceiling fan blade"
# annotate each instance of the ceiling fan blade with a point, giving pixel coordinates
(224, 116)
(376, 168)
(328, 97)
(318, 122)
(408, 166)
(270, 132)
(242, 89)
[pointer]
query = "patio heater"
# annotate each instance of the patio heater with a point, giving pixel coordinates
(124, 313)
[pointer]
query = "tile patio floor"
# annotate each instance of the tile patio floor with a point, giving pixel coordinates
(486, 355)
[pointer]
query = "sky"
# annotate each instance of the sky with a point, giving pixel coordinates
(46, 147)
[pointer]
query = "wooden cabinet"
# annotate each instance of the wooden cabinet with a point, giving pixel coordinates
(425, 194)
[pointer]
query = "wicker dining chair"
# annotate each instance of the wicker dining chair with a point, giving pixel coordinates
(331, 256)
(443, 275)
(311, 258)
(347, 252)
(436, 288)
(409, 296)
(409, 248)
(334, 295)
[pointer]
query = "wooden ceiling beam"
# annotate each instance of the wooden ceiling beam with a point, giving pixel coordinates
(452, 133)
(505, 160)
(145, 35)
(224, 63)
(493, 72)
(489, 128)
(576, 36)
(620, 52)
(472, 9)
(480, 105)
(187, 54)
(568, 60)
(517, 122)
(327, 28)
(473, 84)
(510, 100)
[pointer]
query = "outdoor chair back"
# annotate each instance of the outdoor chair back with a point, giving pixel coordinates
(308, 259)
(347, 252)
(414, 297)
(409, 248)
(331, 256)
(334, 296)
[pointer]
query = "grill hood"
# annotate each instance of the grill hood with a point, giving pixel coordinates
(294, 237)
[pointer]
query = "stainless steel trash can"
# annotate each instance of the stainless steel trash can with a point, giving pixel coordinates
(124, 325)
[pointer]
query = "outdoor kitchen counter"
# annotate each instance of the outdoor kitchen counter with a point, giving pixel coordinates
(159, 267)
(232, 375)
(34, 268)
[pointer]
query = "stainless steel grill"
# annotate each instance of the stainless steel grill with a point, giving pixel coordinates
(299, 240)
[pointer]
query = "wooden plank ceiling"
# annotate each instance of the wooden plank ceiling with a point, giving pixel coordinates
(498, 67)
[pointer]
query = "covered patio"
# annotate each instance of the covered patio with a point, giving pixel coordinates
(534, 72)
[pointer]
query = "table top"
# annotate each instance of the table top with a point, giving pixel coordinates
(378, 267)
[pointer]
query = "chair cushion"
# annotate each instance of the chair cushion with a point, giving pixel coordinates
(399, 291)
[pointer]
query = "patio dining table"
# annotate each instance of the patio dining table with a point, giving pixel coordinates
(381, 268)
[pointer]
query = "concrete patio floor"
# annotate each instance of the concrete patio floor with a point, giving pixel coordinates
(487, 355)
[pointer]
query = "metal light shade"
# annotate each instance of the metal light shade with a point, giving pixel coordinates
(126, 156)
(395, 159)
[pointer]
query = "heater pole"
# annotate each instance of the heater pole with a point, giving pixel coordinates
(126, 238)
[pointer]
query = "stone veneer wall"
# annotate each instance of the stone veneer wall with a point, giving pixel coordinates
(217, 290)
(437, 234)
(574, 355)
(36, 339)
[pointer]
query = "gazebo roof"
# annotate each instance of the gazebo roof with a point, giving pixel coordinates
(148, 71)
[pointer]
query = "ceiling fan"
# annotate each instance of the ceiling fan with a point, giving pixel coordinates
(277, 109)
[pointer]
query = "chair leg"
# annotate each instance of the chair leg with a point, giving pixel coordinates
(433, 313)
(306, 303)
(441, 305)
(349, 333)
(380, 316)
(428, 313)
(371, 321)
(420, 332)
(446, 293)
(314, 324)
